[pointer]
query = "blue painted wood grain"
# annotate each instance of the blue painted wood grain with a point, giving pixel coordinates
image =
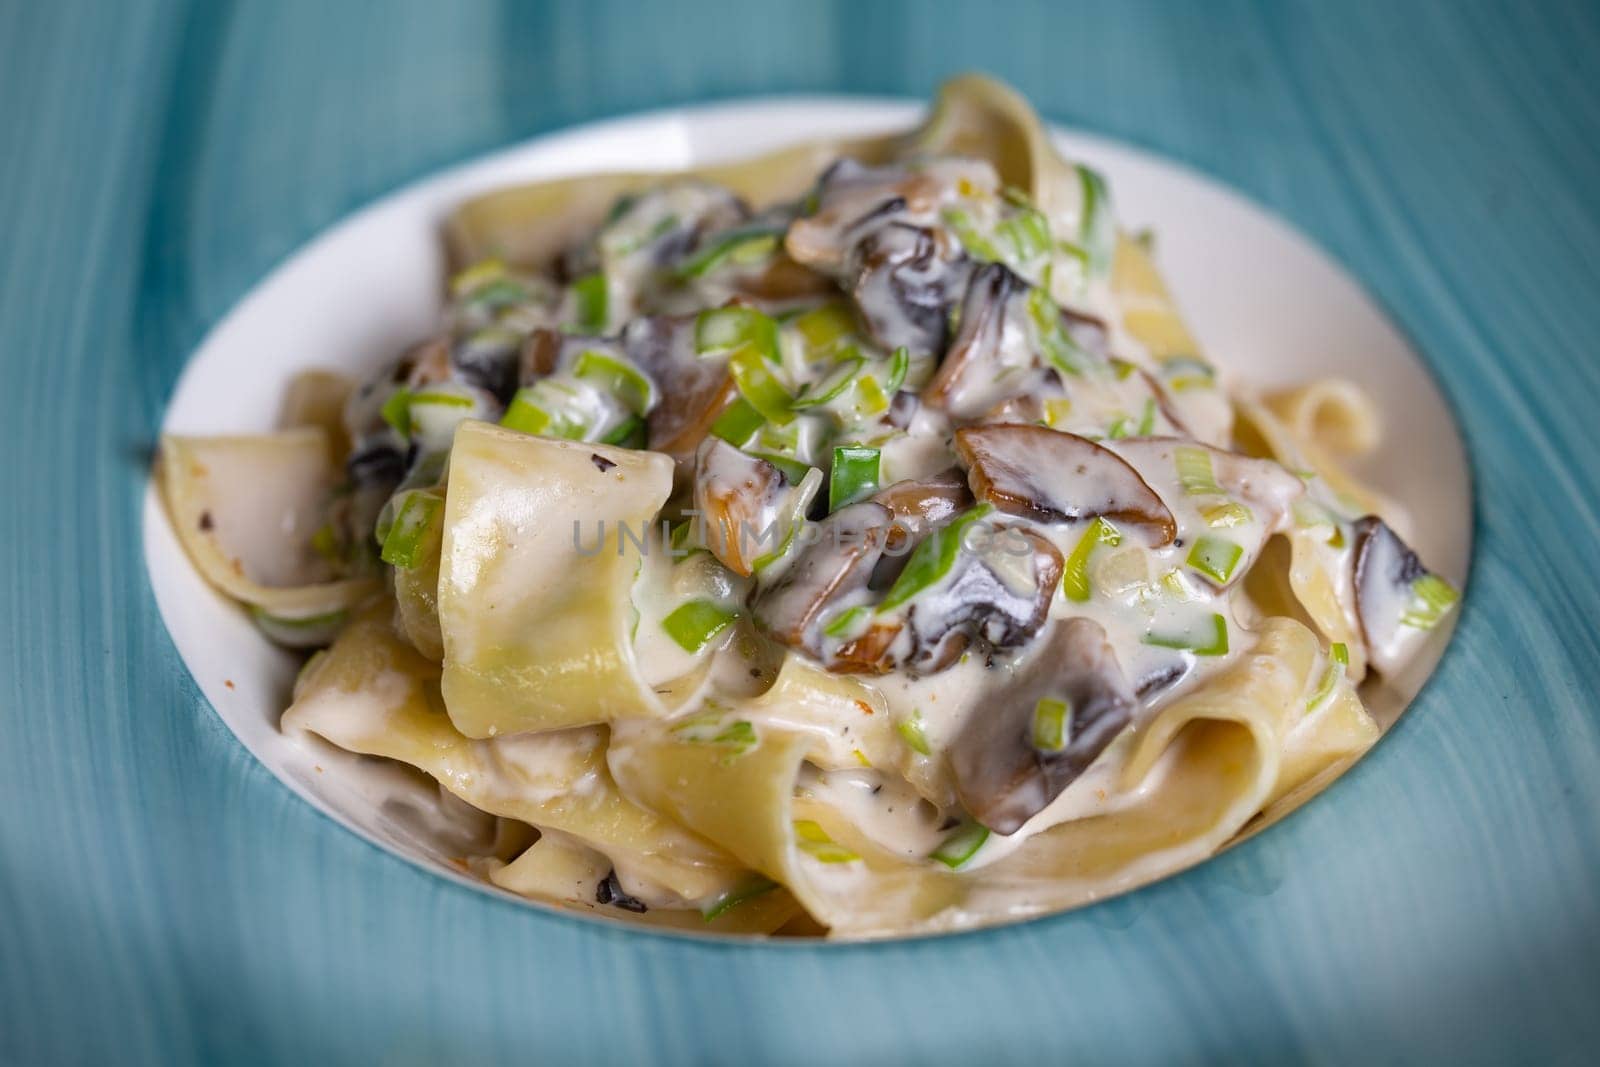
(163, 899)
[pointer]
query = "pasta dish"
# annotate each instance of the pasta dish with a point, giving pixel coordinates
(849, 541)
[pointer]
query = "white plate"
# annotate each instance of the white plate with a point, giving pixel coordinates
(1266, 305)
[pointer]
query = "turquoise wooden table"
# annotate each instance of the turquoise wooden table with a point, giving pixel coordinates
(163, 899)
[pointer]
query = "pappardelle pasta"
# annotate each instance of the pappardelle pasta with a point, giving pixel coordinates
(852, 541)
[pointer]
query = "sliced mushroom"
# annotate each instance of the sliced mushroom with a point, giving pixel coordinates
(905, 279)
(490, 359)
(998, 593)
(853, 199)
(919, 505)
(1053, 476)
(694, 389)
(835, 565)
(1007, 765)
(746, 504)
(963, 385)
(1398, 600)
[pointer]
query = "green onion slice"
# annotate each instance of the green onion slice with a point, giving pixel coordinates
(738, 423)
(738, 895)
(752, 373)
(933, 559)
(1215, 557)
(415, 522)
(911, 732)
(740, 247)
(899, 364)
(814, 840)
(723, 329)
(693, 624)
(966, 230)
(1431, 598)
(1052, 725)
(632, 432)
(831, 385)
(962, 844)
(1075, 575)
(396, 411)
(848, 622)
(618, 377)
(593, 300)
(854, 475)
(1207, 639)
(825, 331)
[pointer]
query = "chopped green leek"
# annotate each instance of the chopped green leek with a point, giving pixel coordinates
(738, 895)
(738, 423)
(404, 544)
(1052, 725)
(1188, 372)
(870, 397)
(1057, 343)
(441, 398)
(1194, 471)
(831, 385)
(477, 276)
(910, 731)
(740, 247)
(814, 840)
(899, 364)
(854, 475)
(933, 559)
(326, 543)
(722, 329)
(794, 471)
(1227, 514)
(1431, 598)
(1208, 639)
(1338, 660)
(696, 622)
(752, 373)
(633, 432)
(593, 300)
(396, 411)
(1118, 428)
(1027, 233)
(1075, 575)
(825, 330)
(966, 230)
(1147, 420)
(848, 622)
(1215, 558)
(1096, 228)
(527, 414)
(619, 377)
(962, 844)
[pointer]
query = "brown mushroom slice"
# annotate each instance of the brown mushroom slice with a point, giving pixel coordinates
(919, 505)
(964, 382)
(694, 389)
(1051, 476)
(852, 199)
(905, 279)
(1042, 728)
(836, 564)
(1398, 600)
(998, 593)
(747, 506)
